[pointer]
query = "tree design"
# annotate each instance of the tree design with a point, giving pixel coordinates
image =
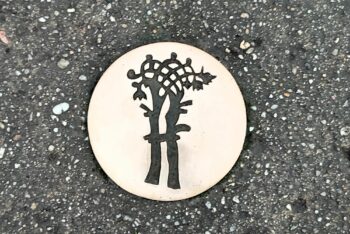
(165, 79)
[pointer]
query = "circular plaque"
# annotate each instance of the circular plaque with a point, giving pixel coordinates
(166, 121)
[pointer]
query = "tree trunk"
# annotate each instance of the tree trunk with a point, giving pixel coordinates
(154, 139)
(154, 170)
(173, 160)
(172, 117)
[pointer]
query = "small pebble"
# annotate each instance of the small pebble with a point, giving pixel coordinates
(112, 19)
(60, 108)
(63, 63)
(208, 204)
(70, 10)
(244, 15)
(33, 206)
(289, 207)
(235, 199)
(335, 52)
(223, 201)
(274, 107)
(82, 77)
(244, 45)
(4, 38)
(17, 137)
(51, 148)
(250, 50)
(345, 131)
(2, 152)
(42, 20)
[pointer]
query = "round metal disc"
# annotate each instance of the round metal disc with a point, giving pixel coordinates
(166, 121)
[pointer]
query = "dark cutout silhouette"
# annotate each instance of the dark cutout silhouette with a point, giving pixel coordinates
(165, 79)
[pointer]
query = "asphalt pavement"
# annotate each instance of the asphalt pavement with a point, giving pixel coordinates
(290, 59)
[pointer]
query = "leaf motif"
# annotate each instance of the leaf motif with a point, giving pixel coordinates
(186, 84)
(206, 77)
(197, 84)
(139, 94)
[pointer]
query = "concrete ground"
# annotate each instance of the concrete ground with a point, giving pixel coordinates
(290, 59)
